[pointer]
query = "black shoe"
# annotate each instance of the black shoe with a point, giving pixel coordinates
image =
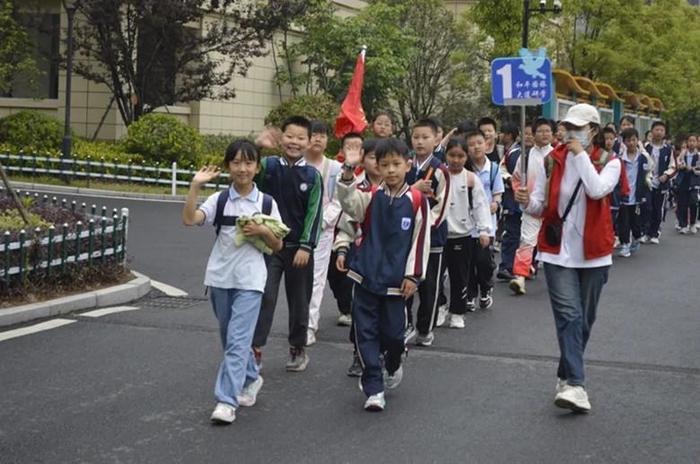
(355, 370)
(486, 300)
(505, 275)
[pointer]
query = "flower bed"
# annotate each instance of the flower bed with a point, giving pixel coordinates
(66, 246)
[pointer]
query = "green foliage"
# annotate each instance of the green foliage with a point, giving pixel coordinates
(634, 45)
(321, 107)
(216, 144)
(163, 138)
(328, 51)
(98, 150)
(31, 131)
(16, 49)
(11, 220)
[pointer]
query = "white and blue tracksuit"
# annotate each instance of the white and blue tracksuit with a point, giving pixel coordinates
(394, 246)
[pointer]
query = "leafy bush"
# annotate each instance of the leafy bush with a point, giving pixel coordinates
(163, 138)
(321, 107)
(11, 220)
(31, 130)
(216, 144)
(98, 150)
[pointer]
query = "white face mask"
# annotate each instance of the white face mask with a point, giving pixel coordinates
(582, 135)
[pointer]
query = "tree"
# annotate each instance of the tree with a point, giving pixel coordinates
(634, 45)
(16, 48)
(445, 68)
(323, 59)
(153, 53)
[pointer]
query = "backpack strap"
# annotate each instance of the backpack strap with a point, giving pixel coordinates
(267, 204)
(219, 218)
(492, 176)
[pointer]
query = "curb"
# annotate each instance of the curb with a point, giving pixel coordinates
(50, 188)
(110, 296)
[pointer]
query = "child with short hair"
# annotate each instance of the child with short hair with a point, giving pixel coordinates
(429, 175)
(236, 274)
(344, 234)
(688, 183)
(488, 127)
(389, 264)
(468, 212)
(329, 169)
(348, 236)
(512, 215)
(664, 168)
(298, 190)
(481, 276)
(636, 167)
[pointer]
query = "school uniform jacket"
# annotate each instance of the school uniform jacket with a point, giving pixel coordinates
(432, 168)
(688, 180)
(394, 243)
(641, 188)
(507, 167)
(665, 165)
(298, 191)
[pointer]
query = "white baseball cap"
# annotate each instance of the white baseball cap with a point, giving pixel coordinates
(582, 114)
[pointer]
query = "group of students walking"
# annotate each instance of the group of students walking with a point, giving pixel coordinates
(384, 225)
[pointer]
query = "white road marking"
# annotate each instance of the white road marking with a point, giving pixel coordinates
(168, 289)
(52, 324)
(105, 311)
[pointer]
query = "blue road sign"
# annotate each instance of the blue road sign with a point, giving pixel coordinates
(523, 80)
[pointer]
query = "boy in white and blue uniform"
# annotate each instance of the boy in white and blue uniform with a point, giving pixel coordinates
(664, 169)
(236, 274)
(481, 277)
(636, 169)
(688, 182)
(388, 265)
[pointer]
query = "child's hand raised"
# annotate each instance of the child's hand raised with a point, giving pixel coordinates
(353, 152)
(269, 138)
(408, 288)
(423, 185)
(206, 175)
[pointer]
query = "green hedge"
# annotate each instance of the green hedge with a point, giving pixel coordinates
(163, 138)
(31, 130)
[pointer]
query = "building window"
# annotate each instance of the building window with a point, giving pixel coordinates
(44, 31)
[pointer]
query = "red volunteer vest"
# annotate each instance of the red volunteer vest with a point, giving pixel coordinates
(598, 233)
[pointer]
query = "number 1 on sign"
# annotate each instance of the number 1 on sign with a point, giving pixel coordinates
(506, 74)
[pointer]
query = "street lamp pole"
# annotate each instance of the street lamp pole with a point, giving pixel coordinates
(70, 7)
(527, 11)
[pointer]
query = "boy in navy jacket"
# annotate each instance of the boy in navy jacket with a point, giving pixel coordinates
(664, 169)
(388, 265)
(688, 182)
(637, 166)
(429, 175)
(298, 190)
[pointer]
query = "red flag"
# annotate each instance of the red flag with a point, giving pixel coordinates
(352, 116)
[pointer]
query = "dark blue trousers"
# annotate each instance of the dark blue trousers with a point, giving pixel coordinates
(379, 322)
(510, 241)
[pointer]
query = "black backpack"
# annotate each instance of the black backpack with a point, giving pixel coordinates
(221, 220)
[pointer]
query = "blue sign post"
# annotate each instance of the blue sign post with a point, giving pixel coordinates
(522, 81)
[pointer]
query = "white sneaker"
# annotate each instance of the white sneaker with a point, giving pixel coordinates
(625, 251)
(573, 397)
(694, 229)
(684, 231)
(561, 384)
(457, 321)
(644, 239)
(425, 340)
(442, 316)
(375, 403)
(249, 395)
(223, 414)
(345, 320)
(310, 337)
(678, 227)
(410, 333)
(393, 381)
(654, 240)
(517, 285)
